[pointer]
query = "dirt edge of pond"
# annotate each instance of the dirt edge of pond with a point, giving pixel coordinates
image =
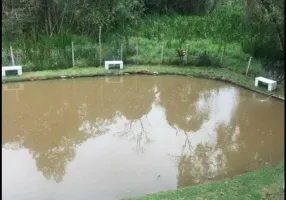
(129, 71)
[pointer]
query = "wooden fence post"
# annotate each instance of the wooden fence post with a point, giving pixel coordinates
(72, 55)
(12, 56)
(99, 41)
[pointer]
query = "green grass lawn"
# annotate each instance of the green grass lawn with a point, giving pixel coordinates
(261, 184)
(201, 72)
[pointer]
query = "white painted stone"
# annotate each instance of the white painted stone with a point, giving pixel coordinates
(114, 62)
(12, 68)
(271, 84)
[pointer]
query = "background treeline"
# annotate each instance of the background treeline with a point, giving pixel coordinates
(221, 33)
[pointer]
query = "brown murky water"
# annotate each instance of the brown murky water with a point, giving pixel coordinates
(109, 138)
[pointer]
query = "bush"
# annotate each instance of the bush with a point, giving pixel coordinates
(204, 60)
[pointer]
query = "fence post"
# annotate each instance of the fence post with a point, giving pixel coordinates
(99, 42)
(223, 51)
(137, 53)
(121, 51)
(187, 54)
(162, 54)
(72, 55)
(248, 65)
(12, 56)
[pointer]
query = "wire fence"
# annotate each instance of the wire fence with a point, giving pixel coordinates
(135, 51)
(77, 55)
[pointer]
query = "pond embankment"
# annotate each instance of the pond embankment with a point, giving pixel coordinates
(220, 74)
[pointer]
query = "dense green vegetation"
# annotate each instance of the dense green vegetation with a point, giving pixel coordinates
(261, 184)
(218, 33)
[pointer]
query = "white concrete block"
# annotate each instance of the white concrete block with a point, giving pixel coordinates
(114, 62)
(12, 68)
(271, 84)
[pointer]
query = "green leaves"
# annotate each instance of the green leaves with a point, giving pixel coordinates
(228, 22)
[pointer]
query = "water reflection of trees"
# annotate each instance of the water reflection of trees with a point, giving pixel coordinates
(52, 124)
(205, 163)
(52, 118)
(200, 159)
(135, 131)
(179, 97)
(53, 162)
(235, 147)
(139, 96)
(260, 129)
(46, 124)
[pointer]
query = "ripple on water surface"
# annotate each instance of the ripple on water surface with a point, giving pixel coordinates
(127, 136)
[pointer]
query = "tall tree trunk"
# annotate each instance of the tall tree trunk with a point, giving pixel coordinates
(274, 20)
(46, 23)
(49, 19)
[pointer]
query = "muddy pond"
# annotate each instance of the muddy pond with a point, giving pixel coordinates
(117, 137)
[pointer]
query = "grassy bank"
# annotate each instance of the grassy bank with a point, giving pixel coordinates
(260, 184)
(201, 72)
